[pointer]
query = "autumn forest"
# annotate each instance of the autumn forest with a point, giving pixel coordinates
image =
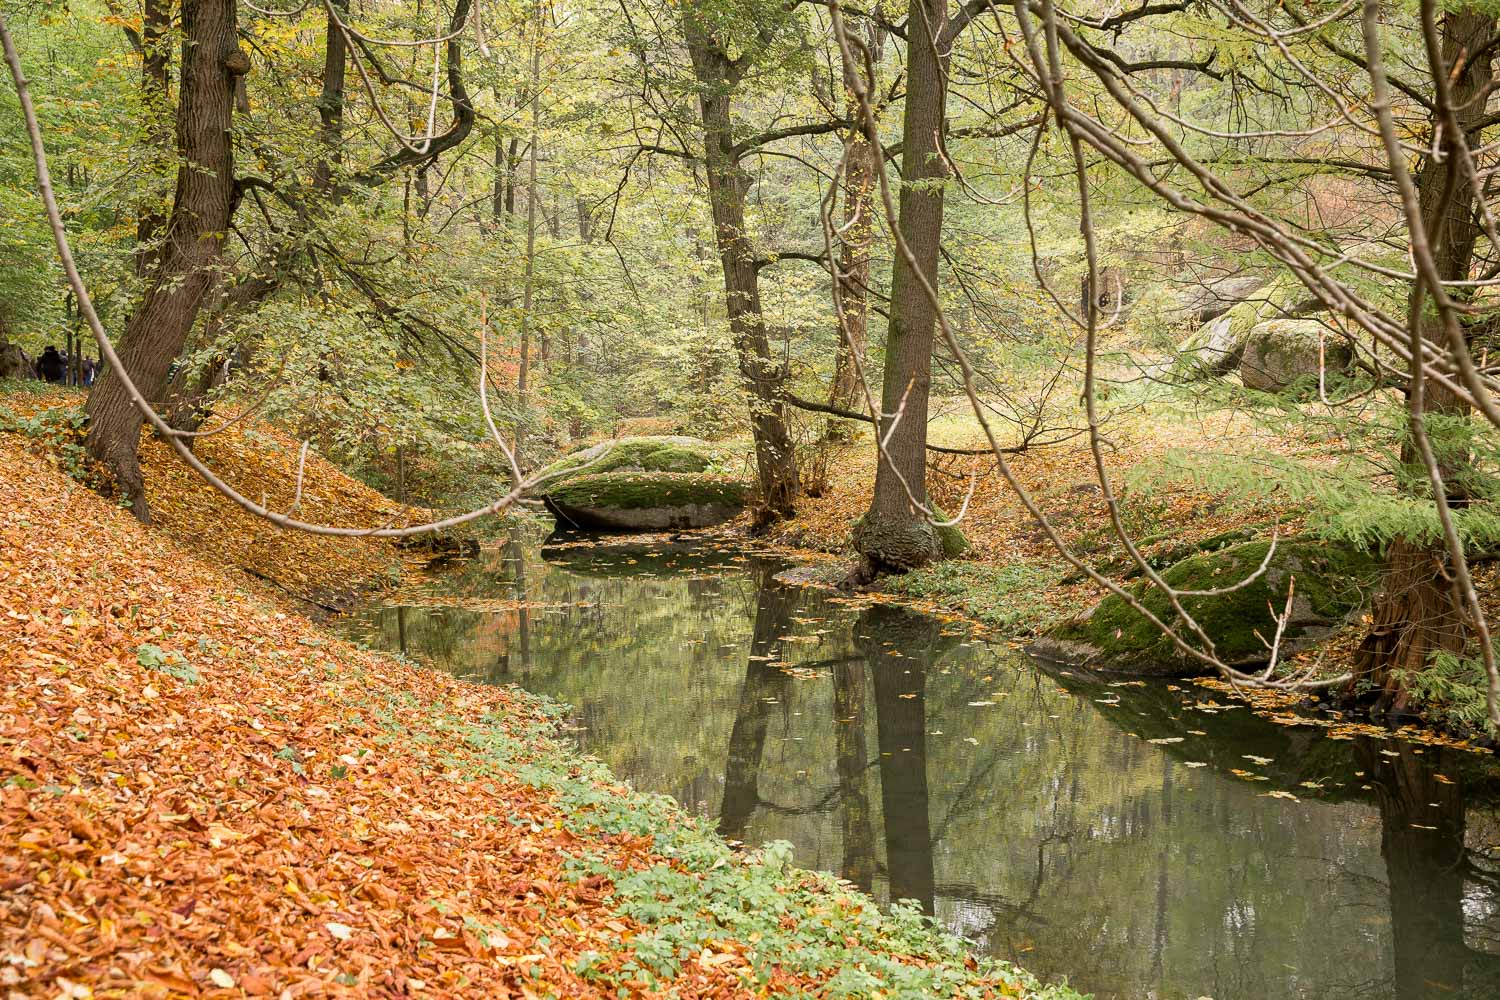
(708, 498)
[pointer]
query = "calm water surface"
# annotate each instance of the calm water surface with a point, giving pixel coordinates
(1027, 810)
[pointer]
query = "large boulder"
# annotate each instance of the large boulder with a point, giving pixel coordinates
(645, 501)
(662, 453)
(1279, 352)
(1217, 347)
(1210, 299)
(1331, 585)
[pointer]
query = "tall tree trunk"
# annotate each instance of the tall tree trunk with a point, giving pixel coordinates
(331, 102)
(186, 270)
(893, 534)
(528, 291)
(512, 160)
(861, 170)
(585, 219)
(497, 199)
(1419, 611)
(156, 59)
(728, 185)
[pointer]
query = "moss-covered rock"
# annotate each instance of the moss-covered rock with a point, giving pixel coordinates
(1218, 346)
(1332, 582)
(1279, 352)
(668, 453)
(646, 501)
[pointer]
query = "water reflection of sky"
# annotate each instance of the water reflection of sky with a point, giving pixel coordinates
(1028, 811)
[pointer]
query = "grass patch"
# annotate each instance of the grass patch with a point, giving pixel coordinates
(1002, 597)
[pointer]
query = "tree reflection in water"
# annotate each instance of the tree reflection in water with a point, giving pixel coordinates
(1120, 835)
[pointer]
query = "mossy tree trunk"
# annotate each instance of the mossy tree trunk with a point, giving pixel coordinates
(1419, 611)
(718, 75)
(893, 534)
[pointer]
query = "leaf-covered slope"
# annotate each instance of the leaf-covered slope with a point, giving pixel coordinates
(204, 794)
(262, 463)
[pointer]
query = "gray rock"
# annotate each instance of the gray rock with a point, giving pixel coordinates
(1216, 348)
(1278, 352)
(1212, 299)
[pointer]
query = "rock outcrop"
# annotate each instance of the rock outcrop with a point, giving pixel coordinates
(1332, 583)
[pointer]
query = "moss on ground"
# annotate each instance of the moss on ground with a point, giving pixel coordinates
(1002, 597)
(1332, 582)
(635, 454)
(642, 490)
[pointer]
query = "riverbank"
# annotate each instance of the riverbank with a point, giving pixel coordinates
(207, 794)
(1012, 579)
(1013, 583)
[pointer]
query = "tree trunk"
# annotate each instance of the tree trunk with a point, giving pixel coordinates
(1422, 841)
(186, 270)
(497, 199)
(852, 759)
(1419, 611)
(156, 18)
(763, 378)
(331, 102)
(861, 170)
(512, 160)
(528, 292)
(764, 688)
(585, 219)
(893, 534)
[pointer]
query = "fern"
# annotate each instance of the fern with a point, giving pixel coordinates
(1341, 504)
(1453, 690)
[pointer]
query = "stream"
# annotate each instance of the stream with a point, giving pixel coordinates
(1141, 840)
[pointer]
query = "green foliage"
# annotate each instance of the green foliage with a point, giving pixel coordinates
(1003, 597)
(634, 454)
(1453, 690)
(1343, 503)
(797, 920)
(1331, 582)
(173, 664)
(59, 429)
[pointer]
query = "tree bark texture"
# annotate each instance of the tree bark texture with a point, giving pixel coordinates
(893, 534)
(187, 268)
(728, 184)
(1419, 611)
(861, 172)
